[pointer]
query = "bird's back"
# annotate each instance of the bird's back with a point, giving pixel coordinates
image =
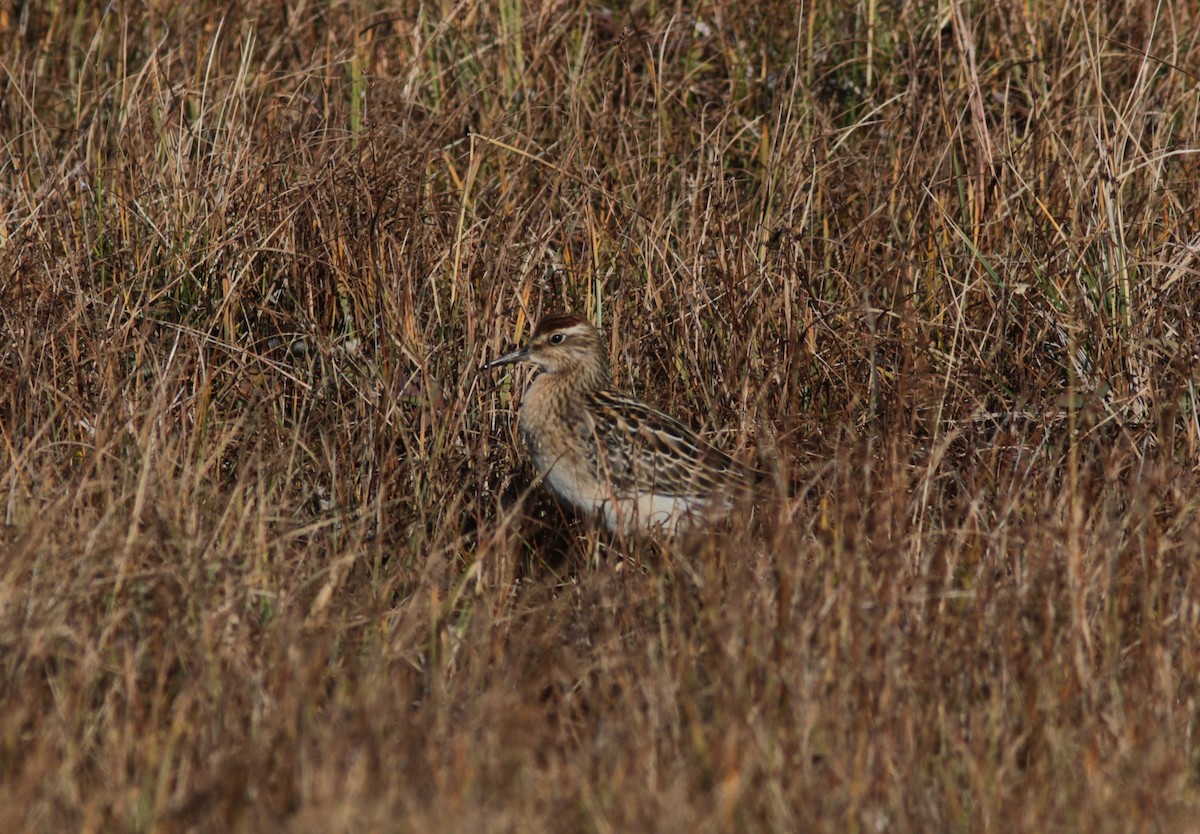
(639, 449)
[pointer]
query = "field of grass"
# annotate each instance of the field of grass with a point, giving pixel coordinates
(271, 559)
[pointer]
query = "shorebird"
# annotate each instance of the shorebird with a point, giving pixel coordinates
(609, 454)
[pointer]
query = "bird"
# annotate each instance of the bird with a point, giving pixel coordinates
(608, 454)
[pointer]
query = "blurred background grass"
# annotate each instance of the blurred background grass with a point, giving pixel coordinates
(265, 563)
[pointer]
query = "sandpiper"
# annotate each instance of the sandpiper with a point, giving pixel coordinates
(607, 453)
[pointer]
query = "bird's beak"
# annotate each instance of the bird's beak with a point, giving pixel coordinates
(507, 359)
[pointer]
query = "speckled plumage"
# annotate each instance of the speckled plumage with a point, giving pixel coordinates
(603, 452)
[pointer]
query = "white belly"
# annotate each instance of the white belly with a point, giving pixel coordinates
(645, 512)
(668, 514)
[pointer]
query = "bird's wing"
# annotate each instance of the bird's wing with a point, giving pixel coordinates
(642, 450)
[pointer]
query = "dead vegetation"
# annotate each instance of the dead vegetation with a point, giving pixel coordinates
(265, 563)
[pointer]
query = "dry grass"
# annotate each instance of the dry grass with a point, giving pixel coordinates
(264, 563)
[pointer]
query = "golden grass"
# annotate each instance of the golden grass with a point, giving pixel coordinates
(268, 561)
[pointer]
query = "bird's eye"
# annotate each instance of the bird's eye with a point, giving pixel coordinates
(557, 339)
